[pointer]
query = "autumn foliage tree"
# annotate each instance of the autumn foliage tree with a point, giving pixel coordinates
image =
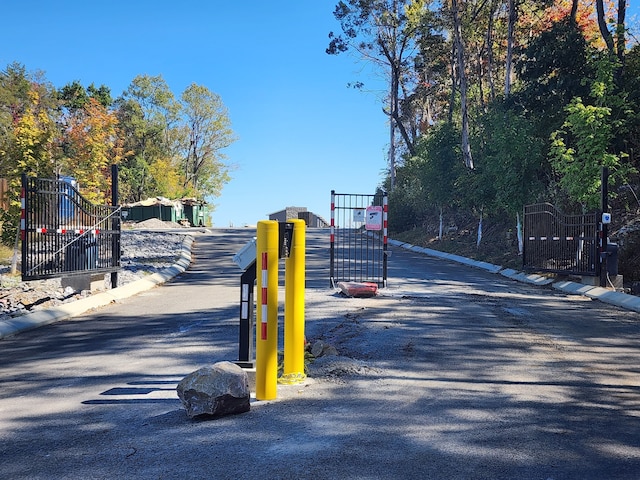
(165, 146)
(92, 145)
(27, 137)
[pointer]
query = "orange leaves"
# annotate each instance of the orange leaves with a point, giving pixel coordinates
(586, 18)
(92, 145)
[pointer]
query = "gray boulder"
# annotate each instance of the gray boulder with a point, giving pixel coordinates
(222, 389)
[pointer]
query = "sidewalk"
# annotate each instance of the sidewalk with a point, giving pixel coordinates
(619, 299)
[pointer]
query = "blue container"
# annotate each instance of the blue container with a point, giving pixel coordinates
(67, 192)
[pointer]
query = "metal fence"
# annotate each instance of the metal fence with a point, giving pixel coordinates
(358, 250)
(559, 243)
(63, 234)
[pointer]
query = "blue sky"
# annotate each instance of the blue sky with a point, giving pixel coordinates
(301, 132)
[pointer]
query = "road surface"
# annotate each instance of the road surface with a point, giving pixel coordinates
(450, 373)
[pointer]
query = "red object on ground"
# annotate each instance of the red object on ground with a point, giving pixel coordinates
(358, 289)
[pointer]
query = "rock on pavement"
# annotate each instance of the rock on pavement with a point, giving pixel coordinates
(222, 389)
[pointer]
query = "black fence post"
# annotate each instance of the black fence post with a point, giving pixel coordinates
(115, 239)
(604, 227)
(385, 229)
(23, 221)
(332, 238)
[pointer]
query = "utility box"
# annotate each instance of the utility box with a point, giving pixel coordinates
(247, 255)
(246, 260)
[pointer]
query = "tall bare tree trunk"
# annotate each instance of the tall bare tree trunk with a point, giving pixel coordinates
(394, 85)
(457, 27)
(615, 44)
(392, 134)
(490, 62)
(602, 24)
(513, 18)
(621, 44)
(454, 83)
(480, 74)
(574, 10)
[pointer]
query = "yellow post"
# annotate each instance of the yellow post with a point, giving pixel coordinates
(267, 251)
(294, 307)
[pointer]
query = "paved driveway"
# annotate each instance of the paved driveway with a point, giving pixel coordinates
(451, 373)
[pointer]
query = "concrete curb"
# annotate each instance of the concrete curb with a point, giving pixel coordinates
(629, 302)
(531, 278)
(619, 299)
(448, 256)
(39, 318)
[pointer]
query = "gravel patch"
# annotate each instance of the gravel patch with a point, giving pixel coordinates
(143, 253)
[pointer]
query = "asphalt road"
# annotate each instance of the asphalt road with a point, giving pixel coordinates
(451, 373)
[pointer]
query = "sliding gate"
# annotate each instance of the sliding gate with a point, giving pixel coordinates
(358, 238)
(63, 234)
(559, 243)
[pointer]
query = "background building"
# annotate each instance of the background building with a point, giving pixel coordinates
(311, 219)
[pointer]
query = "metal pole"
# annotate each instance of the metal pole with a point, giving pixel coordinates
(385, 236)
(604, 228)
(267, 325)
(294, 307)
(332, 239)
(115, 236)
(24, 206)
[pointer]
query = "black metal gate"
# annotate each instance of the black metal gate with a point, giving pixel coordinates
(559, 243)
(63, 234)
(359, 238)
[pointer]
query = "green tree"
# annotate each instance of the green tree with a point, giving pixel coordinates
(148, 114)
(209, 132)
(101, 94)
(551, 70)
(583, 145)
(442, 168)
(73, 95)
(442, 157)
(629, 139)
(511, 157)
(408, 202)
(428, 182)
(172, 148)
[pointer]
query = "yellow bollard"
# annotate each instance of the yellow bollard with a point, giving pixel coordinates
(267, 251)
(294, 307)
